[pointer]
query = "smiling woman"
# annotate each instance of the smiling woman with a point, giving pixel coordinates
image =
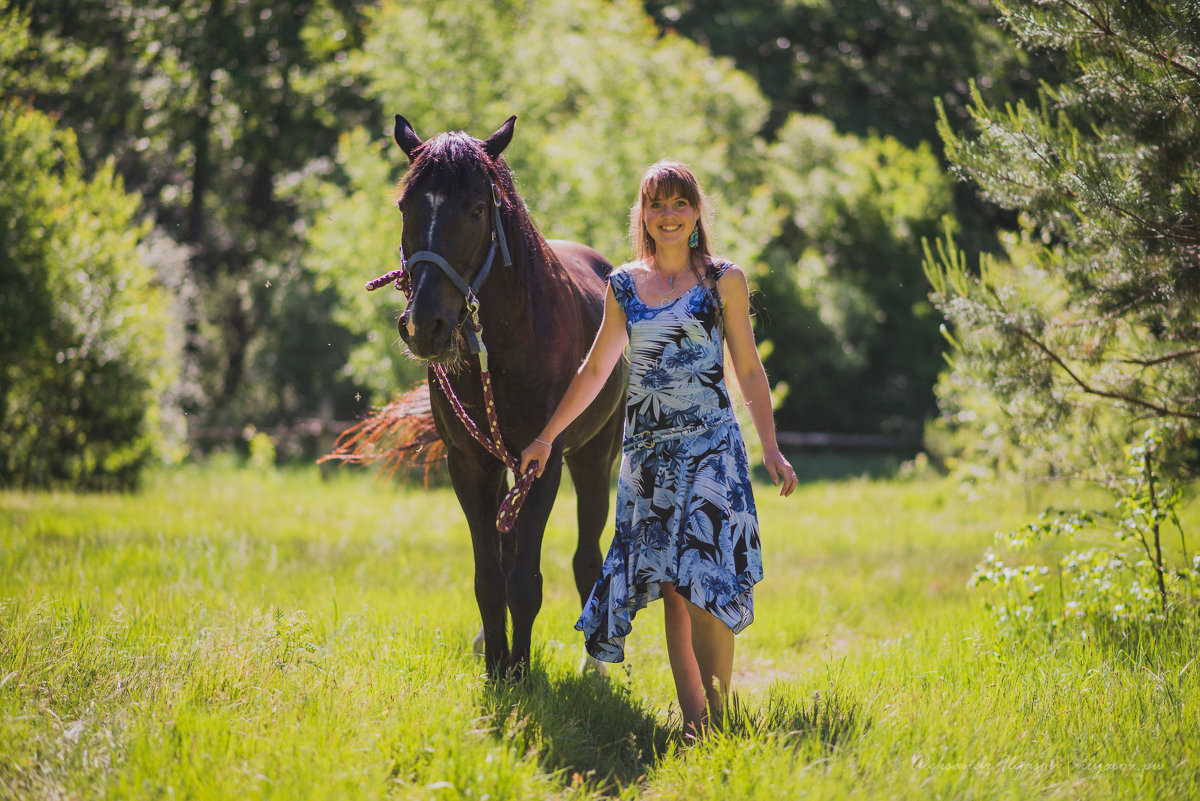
(669, 212)
(686, 523)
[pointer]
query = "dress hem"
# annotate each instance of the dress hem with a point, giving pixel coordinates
(743, 600)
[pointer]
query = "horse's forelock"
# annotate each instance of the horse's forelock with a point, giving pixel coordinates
(450, 161)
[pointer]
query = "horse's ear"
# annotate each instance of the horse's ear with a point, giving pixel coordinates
(406, 137)
(494, 145)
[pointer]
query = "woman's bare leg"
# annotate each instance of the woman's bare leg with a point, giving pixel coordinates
(700, 648)
(712, 643)
(684, 668)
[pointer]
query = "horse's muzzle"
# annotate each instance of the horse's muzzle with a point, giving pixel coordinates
(433, 341)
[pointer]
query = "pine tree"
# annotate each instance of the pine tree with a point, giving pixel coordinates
(1092, 322)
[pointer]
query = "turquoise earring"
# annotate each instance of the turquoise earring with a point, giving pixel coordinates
(694, 239)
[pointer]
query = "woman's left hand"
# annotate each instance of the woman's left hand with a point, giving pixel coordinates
(537, 451)
(781, 471)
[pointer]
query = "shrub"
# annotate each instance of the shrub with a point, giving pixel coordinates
(1130, 575)
(83, 327)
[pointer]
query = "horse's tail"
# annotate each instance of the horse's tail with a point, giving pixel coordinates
(399, 435)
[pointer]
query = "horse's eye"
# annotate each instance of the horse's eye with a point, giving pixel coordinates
(478, 210)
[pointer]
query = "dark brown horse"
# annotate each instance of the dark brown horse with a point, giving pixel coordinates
(538, 317)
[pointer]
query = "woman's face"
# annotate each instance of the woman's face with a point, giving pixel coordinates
(669, 220)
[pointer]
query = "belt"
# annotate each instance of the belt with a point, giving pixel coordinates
(648, 439)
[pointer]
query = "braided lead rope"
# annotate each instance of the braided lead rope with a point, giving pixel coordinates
(506, 518)
(493, 447)
(401, 277)
(510, 507)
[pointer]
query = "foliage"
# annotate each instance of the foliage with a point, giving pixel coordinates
(209, 110)
(873, 68)
(844, 302)
(1138, 578)
(868, 66)
(1088, 324)
(83, 326)
(262, 451)
(255, 134)
(844, 299)
(811, 217)
(599, 95)
(995, 420)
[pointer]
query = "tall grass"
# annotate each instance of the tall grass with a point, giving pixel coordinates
(238, 634)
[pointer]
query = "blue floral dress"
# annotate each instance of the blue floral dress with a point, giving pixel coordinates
(685, 509)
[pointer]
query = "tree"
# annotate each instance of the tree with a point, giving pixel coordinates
(211, 110)
(875, 69)
(845, 304)
(83, 326)
(828, 225)
(600, 95)
(868, 66)
(1091, 321)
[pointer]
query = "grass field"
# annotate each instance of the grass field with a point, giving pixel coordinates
(231, 634)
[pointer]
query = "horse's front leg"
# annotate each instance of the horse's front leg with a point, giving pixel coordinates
(525, 578)
(591, 470)
(477, 479)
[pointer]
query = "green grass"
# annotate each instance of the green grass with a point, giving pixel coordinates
(230, 634)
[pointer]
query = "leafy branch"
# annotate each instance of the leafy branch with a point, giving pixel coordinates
(1157, 408)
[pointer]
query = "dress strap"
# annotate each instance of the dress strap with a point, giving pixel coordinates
(622, 285)
(717, 268)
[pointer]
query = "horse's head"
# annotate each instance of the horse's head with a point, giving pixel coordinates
(451, 202)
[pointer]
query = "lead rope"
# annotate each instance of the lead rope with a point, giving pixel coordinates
(507, 516)
(511, 505)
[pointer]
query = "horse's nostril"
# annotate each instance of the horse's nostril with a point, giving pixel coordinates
(406, 327)
(430, 339)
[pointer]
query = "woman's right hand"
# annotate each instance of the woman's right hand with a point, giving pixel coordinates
(536, 451)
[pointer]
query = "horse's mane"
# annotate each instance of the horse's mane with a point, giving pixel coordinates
(452, 160)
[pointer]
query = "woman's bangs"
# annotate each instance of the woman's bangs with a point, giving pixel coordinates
(667, 183)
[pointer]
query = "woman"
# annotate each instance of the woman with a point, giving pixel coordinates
(686, 526)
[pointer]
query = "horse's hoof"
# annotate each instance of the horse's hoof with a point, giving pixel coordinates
(591, 666)
(477, 644)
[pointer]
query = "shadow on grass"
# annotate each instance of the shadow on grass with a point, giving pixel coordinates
(583, 727)
(587, 729)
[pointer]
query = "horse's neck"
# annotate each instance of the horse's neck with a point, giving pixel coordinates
(523, 302)
(521, 324)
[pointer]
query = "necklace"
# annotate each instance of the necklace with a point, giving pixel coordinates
(665, 296)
